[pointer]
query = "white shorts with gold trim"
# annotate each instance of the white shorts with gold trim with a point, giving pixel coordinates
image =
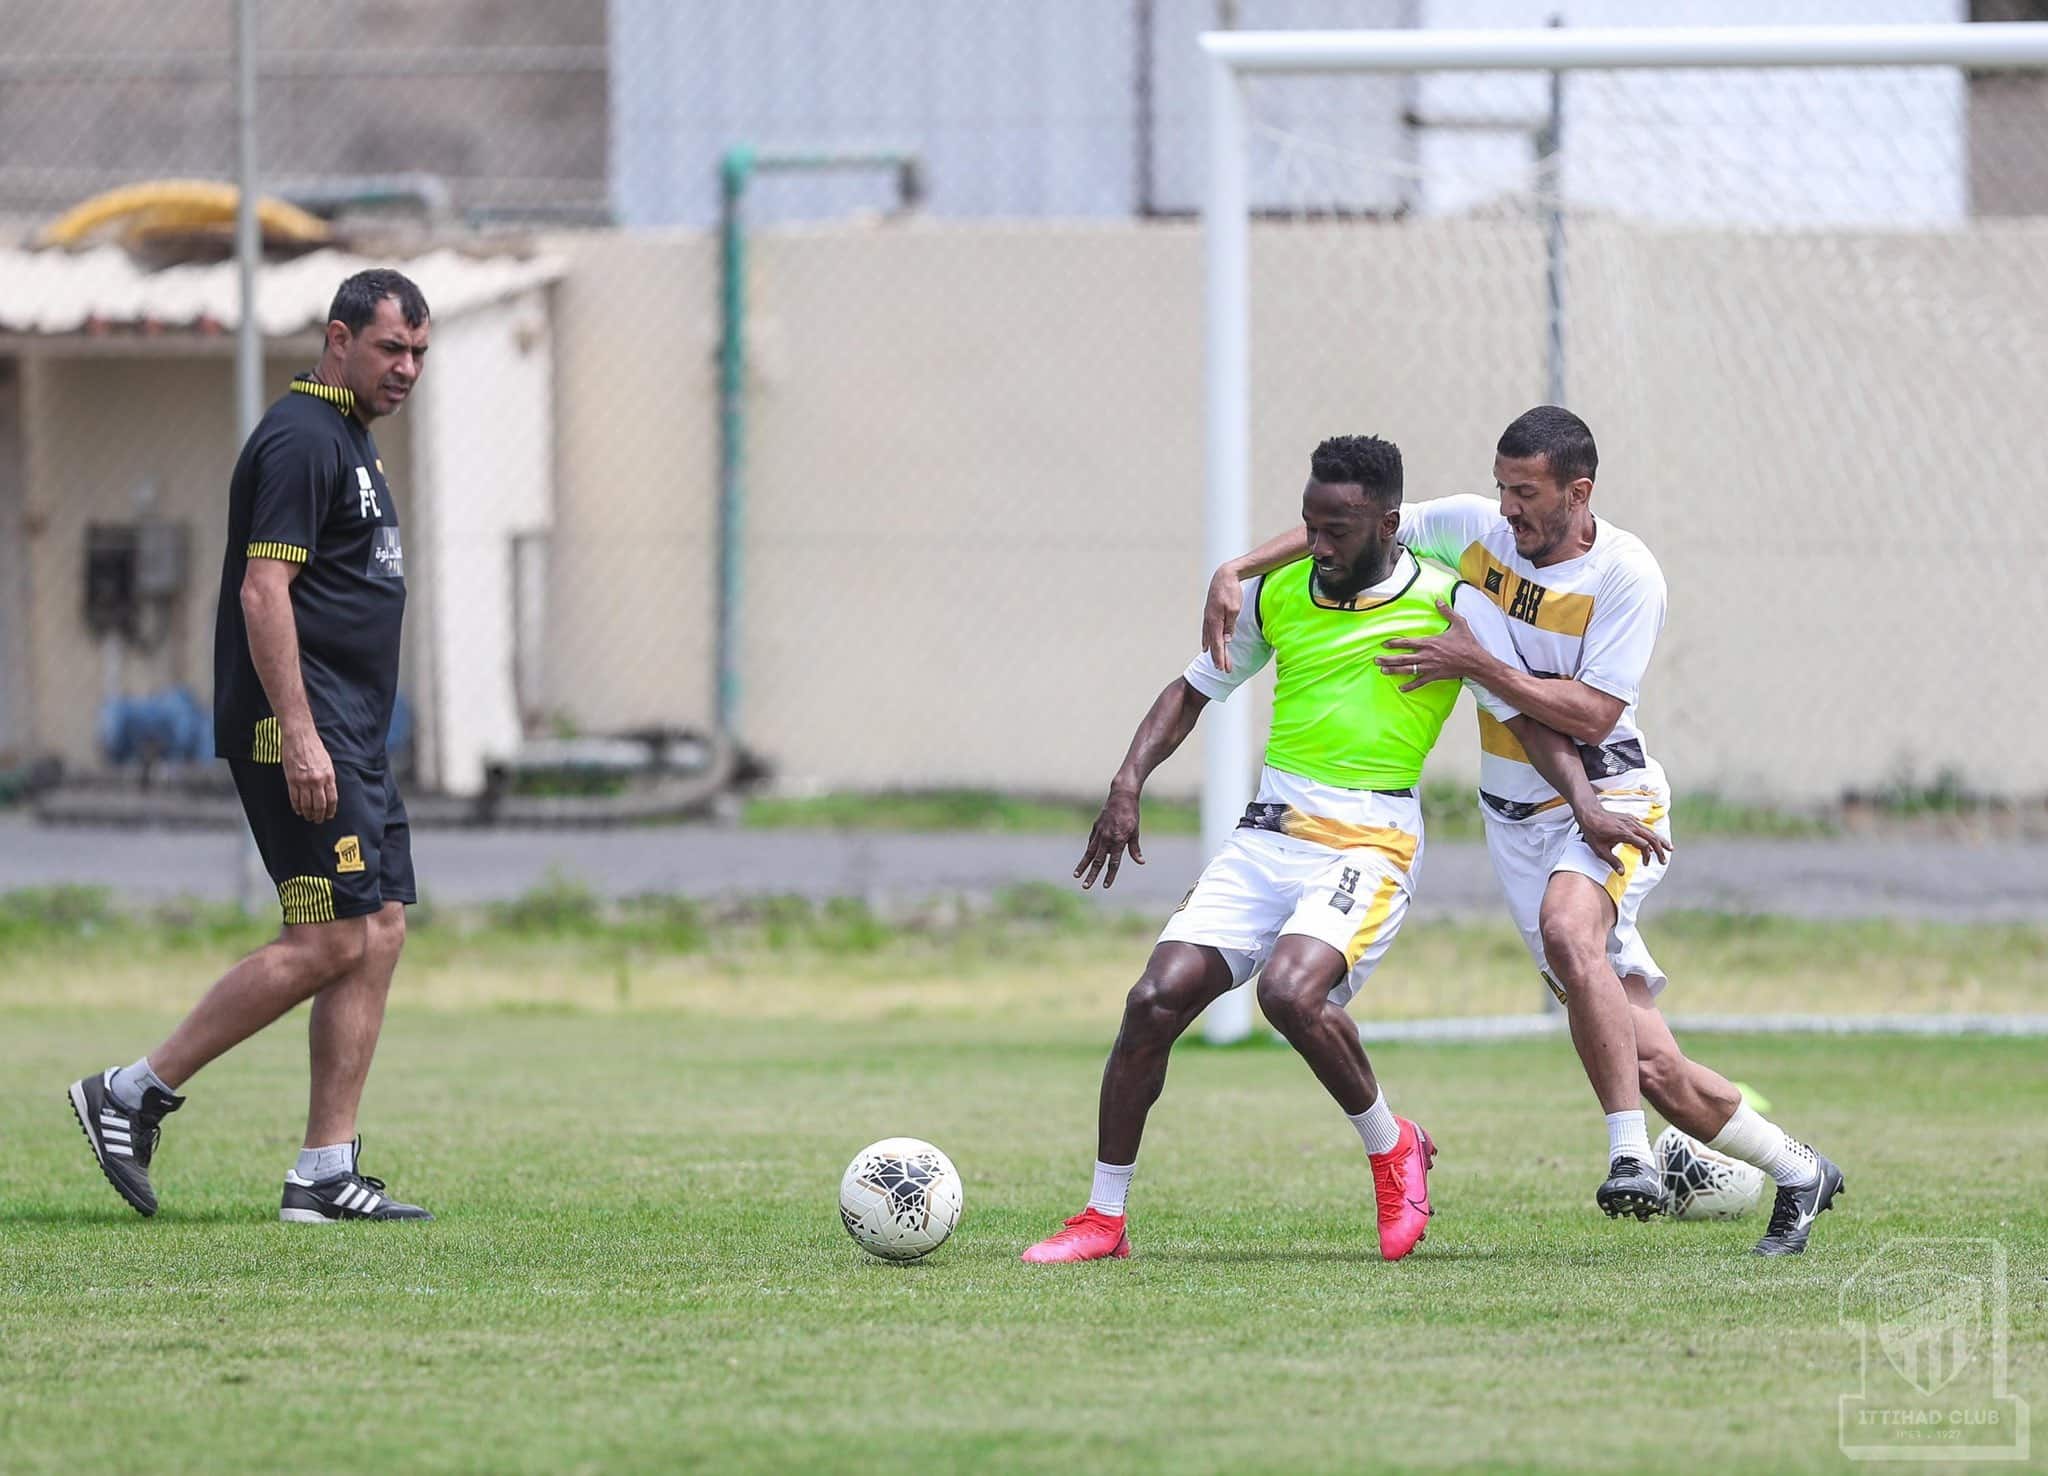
(1264, 885)
(1527, 853)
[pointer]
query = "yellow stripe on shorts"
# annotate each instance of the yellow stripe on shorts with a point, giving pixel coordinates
(307, 899)
(1376, 914)
(1617, 883)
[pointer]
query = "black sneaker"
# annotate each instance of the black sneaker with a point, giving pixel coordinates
(351, 1196)
(122, 1141)
(1632, 1188)
(1793, 1215)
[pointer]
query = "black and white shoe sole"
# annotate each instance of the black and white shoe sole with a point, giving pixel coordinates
(83, 1112)
(1619, 1202)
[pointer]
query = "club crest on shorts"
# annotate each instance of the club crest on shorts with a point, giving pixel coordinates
(348, 854)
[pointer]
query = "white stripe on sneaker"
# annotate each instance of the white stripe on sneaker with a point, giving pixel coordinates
(120, 1148)
(372, 1205)
(115, 1135)
(353, 1196)
(113, 1119)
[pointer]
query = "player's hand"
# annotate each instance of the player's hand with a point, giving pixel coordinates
(309, 775)
(1219, 614)
(1116, 829)
(1450, 657)
(1606, 831)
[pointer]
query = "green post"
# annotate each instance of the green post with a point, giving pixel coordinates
(735, 172)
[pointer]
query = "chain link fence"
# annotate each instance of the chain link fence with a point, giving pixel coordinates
(817, 389)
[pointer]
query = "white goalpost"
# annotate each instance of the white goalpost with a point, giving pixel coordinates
(1774, 225)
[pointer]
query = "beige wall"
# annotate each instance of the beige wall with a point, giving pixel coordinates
(631, 597)
(975, 469)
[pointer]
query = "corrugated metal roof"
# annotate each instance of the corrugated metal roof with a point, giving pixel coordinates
(57, 292)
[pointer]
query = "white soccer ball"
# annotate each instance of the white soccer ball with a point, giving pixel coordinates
(1700, 1184)
(900, 1199)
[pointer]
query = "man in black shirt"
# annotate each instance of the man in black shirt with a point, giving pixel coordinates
(306, 641)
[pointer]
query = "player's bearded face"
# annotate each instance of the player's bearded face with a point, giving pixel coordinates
(1346, 535)
(1536, 505)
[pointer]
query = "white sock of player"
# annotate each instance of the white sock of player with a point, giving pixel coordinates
(1753, 1138)
(1112, 1187)
(318, 1164)
(130, 1082)
(1377, 1126)
(1627, 1137)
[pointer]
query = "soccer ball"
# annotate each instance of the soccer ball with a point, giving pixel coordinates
(900, 1199)
(1700, 1184)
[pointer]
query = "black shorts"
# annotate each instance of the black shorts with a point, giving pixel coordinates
(349, 866)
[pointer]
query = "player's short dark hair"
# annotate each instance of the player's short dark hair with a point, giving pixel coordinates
(355, 301)
(1366, 461)
(1564, 441)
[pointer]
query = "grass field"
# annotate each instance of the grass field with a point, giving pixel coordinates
(638, 1264)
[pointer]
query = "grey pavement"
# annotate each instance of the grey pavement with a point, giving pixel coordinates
(1837, 878)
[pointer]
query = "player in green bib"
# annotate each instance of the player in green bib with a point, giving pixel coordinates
(1311, 889)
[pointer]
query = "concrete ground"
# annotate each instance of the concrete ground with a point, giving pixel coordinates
(1834, 878)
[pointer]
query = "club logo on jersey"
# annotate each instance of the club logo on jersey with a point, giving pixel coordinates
(366, 495)
(387, 555)
(1493, 581)
(348, 854)
(1528, 600)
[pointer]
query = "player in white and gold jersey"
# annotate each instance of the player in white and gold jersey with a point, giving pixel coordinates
(1585, 602)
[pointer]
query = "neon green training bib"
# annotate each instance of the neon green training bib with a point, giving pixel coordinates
(1337, 718)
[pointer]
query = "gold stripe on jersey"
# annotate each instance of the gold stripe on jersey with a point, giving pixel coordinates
(1498, 739)
(291, 553)
(341, 399)
(1375, 918)
(1398, 846)
(1524, 599)
(269, 745)
(1631, 859)
(307, 899)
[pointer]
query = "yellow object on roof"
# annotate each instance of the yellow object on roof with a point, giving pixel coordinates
(165, 207)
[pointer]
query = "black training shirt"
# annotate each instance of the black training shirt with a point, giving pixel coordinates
(309, 488)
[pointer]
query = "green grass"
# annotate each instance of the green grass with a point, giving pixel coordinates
(638, 1265)
(1032, 953)
(953, 810)
(1448, 809)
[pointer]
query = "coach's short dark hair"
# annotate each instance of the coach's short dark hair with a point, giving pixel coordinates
(355, 301)
(1564, 441)
(1367, 461)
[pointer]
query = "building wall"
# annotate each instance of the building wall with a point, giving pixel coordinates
(105, 438)
(975, 471)
(632, 593)
(483, 437)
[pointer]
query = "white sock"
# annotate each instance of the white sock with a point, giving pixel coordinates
(331, 1162)
(1627, 1137)
(1377, 1126)
(1112, 1187)
(1755, 1139)
(129, 1083)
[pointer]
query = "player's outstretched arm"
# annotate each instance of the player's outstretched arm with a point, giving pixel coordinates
(1163, 730)
(1226, 588)
(1556, 758)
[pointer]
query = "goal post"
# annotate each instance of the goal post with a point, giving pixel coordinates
(1237, 60)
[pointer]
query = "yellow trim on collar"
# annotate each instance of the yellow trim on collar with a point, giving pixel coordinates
(341, 399)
